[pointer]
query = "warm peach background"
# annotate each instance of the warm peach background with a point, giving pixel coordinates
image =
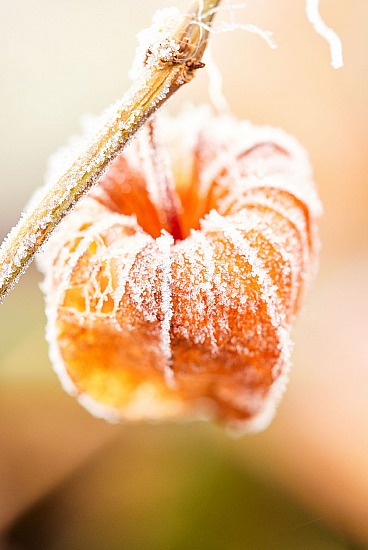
(61, 59)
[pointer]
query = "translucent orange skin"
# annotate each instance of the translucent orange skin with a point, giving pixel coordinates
(142, 327)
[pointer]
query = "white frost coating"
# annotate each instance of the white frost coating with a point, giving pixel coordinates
(154, 181)
(232, 25)
(242, 246)
(284, 180)
(313, 15)
(298, 188)
(207, 284)
(54, 298)
(326, 32)
(142, 283)
(262, 419)
(92, 234)
(182, 143)
(155, 164)
(229, 7)
(233, 139)
(164, 243)
(262, 223)
(136, 246)
(54, 350)
(267, 36)
(157, 39)
(195, 263)
(200, 11)
(209, 262)
(268, 289)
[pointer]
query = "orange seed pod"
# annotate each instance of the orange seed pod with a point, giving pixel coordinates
(172, 287)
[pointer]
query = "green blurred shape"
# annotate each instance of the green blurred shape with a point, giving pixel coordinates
(166, 487)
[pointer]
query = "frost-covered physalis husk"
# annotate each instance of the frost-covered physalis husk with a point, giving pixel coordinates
(145, 326)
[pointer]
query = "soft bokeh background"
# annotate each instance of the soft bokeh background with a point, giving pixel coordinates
(68, 480)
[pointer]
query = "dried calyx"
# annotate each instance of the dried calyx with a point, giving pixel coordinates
(142, 327)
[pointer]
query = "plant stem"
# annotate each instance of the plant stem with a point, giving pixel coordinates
(160, 81)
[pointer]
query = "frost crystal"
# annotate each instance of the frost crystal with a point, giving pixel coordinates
(326, 32)
(155, 44)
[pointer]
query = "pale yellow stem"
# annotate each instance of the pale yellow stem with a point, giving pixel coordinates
(160, 81)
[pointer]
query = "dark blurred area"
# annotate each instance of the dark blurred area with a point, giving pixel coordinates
(68, 480)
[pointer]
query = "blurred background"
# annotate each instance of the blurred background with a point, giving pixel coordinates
(68, 480)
